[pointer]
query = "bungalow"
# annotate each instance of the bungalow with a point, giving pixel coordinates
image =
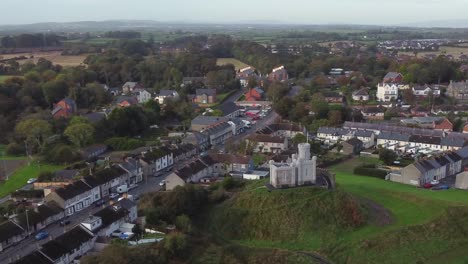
(361, 95)
(93, 151)
(419, 111)
(167, 95)
(74, 197)
(268, 143)
(205, 96)
(126, 101)
(422, 91)
(69, 246)
(255, 94)
(333, 98)
(373, 113)
(10, 234)
(65, 108)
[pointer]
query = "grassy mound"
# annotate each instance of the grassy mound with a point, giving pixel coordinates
(233, 254)
(298, 218)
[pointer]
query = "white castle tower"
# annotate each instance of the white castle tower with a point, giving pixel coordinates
(301, 170)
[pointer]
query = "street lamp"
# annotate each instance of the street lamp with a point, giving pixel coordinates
(27, 220)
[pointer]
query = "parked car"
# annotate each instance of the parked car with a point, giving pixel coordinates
(41, 235)
(427, 185)
(162, 183)
(435, 182)
(64, 222)
(100, 202)
(113, 195)
(441, 187)
(32, 180)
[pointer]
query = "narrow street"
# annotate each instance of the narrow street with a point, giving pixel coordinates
(25, 247)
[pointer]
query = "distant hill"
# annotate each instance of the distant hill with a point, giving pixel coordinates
(454, 23)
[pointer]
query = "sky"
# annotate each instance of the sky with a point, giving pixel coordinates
(375, 12)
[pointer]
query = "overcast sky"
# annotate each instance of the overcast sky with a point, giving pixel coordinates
(377, 12)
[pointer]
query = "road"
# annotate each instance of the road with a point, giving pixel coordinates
(267, 120)
(28, 245)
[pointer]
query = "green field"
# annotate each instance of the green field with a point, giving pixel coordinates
(21, 176)
(237, 63)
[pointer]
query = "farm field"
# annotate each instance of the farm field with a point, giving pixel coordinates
(456, 52)
(237, 63)
(53, 56)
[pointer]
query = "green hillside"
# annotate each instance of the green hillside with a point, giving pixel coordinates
(366, 220)
(295, 219)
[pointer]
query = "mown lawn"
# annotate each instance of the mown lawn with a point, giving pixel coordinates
(237, 63)
(21, 176)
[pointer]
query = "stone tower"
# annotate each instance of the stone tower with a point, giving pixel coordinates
(306, 167)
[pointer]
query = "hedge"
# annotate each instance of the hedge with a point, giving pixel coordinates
(370, 171)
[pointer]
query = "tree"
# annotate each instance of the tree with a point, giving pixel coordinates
(387, 156)
(183, 223)
(408, 96)
(319, 105)
(54, 91)
(34, 131)
(80, 134)
(299, 138)
(335, 117)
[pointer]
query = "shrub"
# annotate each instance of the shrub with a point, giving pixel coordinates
(15, 149)
(371, 171)
(61, 154)
(123, 143)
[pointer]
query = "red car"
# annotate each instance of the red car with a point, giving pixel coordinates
(427, 186)
(255, 118)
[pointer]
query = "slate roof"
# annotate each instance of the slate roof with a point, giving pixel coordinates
(39, 215)
(65, 175)
(109, 215)
(66, 243)
(425, 139)
(34, 258)
(72, 190)
(9, 230)
(391, 75)
(228, 108)
(453, 142)
(361, 92)
(385, 127)
(127, 204)
(95, 117)
(363, 133)
(167, 92)
(207, 160)
(231, 158)
(190, 169)
(394, 136)
(209, 92)
(266, 138)
(206, 120)
(463, 153)
(354, 142)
